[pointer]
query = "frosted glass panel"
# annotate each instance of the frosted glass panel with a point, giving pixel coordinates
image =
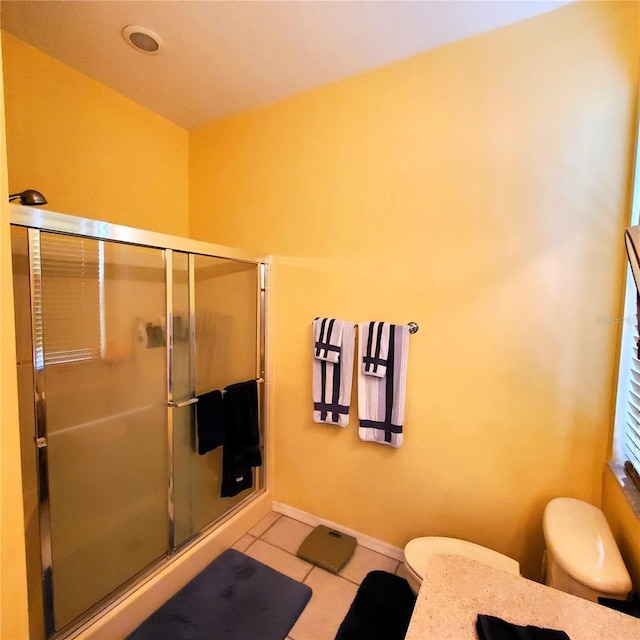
(226, 338)
(102, 502)
(106, 418)
(226, 322)
(226, 343)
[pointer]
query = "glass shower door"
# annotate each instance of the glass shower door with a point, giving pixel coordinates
(100, 362)
(110, 332)
(216, 304)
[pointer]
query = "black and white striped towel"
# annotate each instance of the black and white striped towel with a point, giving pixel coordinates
(332, 381)
(381, 400)
(376, 352)
(327, 339)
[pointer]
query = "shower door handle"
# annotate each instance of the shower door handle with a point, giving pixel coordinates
(184, 403)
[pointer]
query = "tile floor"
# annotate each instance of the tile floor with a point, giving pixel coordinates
(274, 542)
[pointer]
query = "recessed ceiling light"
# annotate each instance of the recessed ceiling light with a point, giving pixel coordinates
(142, 39)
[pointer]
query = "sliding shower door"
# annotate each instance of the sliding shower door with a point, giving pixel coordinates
(116, 339)
(104, 379)
(216, 302)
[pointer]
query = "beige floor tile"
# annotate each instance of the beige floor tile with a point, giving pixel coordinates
(244, 543)
(365, 560)
(331, 599)
(287, 534)
(264, 524)
(279, 560)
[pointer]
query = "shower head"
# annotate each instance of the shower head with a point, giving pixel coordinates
(29, 197)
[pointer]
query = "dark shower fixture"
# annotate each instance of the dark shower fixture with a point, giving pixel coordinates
(29, 197)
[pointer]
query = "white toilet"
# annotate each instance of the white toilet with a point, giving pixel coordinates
(582, 557)
(419, 551)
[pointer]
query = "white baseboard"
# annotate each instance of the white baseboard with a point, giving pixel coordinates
(366, 541)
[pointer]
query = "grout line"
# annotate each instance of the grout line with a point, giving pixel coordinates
(378, 548)
(311, 567)
(274, 546)
(251, 545)
(339, 575)
(271, 525)
(357, 584)
(347, 579)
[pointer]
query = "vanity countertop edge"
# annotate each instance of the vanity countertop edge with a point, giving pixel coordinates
(456, 589)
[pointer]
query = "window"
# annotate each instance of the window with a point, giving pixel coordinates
(626, 443)
(72, 298)
(626, 435)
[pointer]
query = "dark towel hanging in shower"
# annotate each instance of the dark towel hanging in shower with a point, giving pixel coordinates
(210, 420)
(241, 449)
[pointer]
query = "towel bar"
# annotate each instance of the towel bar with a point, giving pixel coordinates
(258, 380)
(184, 403)
(413, 328)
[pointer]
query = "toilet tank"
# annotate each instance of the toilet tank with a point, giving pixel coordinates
(582, 556)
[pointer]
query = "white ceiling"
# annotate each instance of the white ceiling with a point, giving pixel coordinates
(223, 57)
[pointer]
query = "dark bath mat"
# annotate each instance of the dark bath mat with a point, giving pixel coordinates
(234, 598)
(381, 609)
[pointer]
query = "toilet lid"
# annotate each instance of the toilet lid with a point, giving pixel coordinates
(419, 551)
(578, 537)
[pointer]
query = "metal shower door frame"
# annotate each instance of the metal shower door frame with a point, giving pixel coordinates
(37, 221)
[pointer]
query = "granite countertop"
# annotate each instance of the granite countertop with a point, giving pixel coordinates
(456, 589)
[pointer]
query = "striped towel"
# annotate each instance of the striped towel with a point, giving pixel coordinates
(327, 338)
(331, 381)
(381, 400)
(374, 360)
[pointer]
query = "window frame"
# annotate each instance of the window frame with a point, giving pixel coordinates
(629, 347)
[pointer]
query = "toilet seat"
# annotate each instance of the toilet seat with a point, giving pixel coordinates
(581, 543)
(419, 551)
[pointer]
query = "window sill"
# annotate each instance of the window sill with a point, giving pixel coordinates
(630, 491)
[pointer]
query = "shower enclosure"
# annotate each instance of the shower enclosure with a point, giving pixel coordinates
(118, 332)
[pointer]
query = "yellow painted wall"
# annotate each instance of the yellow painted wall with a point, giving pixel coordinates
(91, 151)
(13, 582)
(480, 190)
